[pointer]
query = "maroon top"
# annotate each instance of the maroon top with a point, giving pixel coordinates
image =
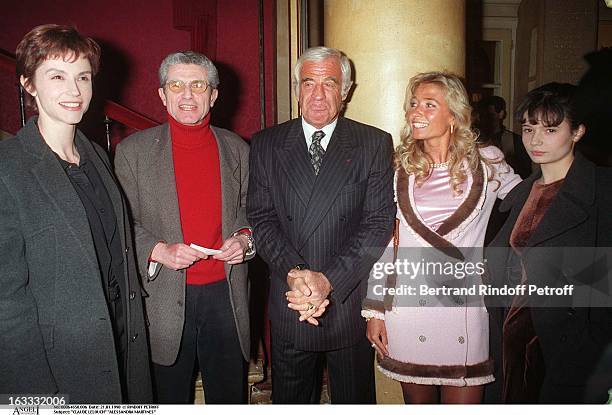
(538, 202)
(523, 364)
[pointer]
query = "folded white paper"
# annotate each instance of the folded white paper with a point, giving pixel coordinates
(206, 251)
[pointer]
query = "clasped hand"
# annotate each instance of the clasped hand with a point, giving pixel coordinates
(308, 292)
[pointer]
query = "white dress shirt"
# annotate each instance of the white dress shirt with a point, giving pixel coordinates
(309, 130)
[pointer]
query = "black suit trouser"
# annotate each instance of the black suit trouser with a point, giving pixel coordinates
(210, 338)
(296, 374)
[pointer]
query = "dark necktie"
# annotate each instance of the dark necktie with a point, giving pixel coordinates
(316, 151)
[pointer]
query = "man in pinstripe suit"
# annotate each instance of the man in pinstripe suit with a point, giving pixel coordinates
(321, 205)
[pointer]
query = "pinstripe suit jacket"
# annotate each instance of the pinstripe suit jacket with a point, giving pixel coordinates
(337, 222)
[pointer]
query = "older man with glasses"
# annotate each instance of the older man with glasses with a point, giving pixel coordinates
(186, 182)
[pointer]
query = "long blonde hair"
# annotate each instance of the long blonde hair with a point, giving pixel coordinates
(410, 155)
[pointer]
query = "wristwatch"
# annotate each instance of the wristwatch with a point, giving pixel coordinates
(250, 242)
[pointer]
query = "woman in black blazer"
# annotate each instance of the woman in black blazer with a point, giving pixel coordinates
(71, 314)
(559, 231)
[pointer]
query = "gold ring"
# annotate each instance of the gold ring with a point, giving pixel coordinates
(311, 306)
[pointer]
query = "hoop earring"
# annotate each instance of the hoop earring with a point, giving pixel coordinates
(452, 129)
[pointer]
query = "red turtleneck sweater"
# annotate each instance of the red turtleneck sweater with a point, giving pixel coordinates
(198, 186)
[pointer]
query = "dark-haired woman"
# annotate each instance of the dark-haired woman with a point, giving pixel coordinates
(559, 220)
(71, 316)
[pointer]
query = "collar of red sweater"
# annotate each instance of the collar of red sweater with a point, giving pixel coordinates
(190, 135)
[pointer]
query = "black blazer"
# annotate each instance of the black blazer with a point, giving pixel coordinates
(55, 331)
(338, 222)
(573, 332)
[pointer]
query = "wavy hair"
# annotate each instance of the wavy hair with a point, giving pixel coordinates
(410, 155)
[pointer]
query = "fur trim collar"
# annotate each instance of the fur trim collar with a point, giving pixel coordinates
(452, 227)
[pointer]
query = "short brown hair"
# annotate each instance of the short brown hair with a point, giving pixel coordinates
(54, 41)
(551, 103)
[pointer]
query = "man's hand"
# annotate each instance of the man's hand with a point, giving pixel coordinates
(309, 309)
(233, 249)
(176, 256)
(314, 285)
(308, 294)
(377, 334)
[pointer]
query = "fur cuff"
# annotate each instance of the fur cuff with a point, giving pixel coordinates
(370, 304)
(372, 314)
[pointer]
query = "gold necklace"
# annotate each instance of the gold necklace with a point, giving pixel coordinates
(439, 165)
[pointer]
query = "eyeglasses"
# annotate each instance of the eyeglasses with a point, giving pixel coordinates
(196, 87)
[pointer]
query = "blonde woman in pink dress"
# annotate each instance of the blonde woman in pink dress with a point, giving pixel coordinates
(445, 187)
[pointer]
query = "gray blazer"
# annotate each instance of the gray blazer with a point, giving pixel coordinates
(144, 166)
(55, 329)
